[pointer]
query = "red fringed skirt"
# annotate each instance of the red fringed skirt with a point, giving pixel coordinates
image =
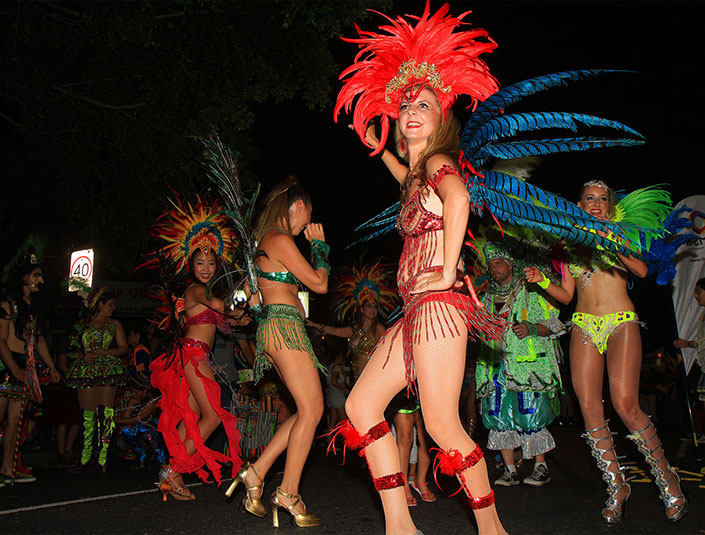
(172, 382)
(428, 317)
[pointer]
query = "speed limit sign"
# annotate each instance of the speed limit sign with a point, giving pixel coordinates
(81, 268)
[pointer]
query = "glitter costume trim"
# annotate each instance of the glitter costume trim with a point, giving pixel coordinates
(282, 326)
(175, 389)
(598, 329)
(209, 317)
(531, 443)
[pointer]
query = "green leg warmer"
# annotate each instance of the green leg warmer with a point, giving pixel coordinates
(107, 426)
(88, 434)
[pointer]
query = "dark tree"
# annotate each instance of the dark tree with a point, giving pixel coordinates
(101, 102)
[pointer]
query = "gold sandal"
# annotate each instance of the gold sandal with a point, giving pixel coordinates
(302, 520)
(252, 505)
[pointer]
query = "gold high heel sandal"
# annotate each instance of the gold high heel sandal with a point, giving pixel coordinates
(252, 505)
(168, 485)
(302, 520)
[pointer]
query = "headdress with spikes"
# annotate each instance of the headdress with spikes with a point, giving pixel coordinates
(188, 228)
(405, 57)
(372, 282)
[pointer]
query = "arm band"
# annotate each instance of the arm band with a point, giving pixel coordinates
(319, 253)
(543, 284)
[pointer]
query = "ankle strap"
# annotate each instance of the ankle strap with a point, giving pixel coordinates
(295, 497)
(391, 481)
(250, 465)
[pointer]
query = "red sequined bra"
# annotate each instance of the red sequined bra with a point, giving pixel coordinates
(414, 219)
(208, 317)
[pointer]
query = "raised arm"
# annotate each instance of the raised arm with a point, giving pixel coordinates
(281, 248)
(340, 332)
(398, 169)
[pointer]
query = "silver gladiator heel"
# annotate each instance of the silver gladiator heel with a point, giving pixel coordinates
(614, 511)
(669, 499)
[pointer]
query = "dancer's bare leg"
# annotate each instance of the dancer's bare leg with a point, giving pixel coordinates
(404, 427)
(198, 400)
(440, 365)
(10, 436)
(424, 461)
(380, 381)
(296, 434)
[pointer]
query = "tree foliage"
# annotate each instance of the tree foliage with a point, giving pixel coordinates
(100, 103)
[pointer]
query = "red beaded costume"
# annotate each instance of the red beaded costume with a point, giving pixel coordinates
(427, 315)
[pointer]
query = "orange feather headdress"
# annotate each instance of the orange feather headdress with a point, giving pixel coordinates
(188, 228)
(405, 57)
(357, 284)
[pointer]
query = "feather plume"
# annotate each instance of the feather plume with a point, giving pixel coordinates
(404, 55)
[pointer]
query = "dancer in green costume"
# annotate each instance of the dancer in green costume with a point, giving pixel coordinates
(282, 343)
(100, 369)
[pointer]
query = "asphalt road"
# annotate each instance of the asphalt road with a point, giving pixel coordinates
(126, 501)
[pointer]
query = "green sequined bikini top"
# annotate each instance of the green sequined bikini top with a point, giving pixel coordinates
(285, 277)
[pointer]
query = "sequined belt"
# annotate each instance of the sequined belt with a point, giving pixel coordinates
(196, 344)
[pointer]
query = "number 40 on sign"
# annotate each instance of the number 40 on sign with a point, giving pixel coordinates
(81, 268)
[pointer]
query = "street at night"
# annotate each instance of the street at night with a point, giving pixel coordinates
(124, 501)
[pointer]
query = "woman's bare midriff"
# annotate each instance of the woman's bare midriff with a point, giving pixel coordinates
(278, 293)
(605, 293)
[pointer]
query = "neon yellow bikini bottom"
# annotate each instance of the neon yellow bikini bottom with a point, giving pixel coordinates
(598, 329)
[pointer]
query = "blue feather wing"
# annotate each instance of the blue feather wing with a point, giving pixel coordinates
(385, 216)
(518, 149)
(511, 125)
(515, 201)
(661, 252)
(499, 102)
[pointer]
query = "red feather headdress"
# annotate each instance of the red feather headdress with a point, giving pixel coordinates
(371, 282)
(404, 56)
(187, 228)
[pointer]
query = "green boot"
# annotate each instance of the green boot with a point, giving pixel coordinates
(88, 434)
(107, 426)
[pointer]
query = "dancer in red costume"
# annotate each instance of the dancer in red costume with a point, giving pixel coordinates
(413, 74)
(197, 240)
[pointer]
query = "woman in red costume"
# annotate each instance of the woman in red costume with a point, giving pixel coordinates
(197, 240)
(413, 74)
(282, 343)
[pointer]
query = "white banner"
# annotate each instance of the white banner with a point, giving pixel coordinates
(690, 266)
